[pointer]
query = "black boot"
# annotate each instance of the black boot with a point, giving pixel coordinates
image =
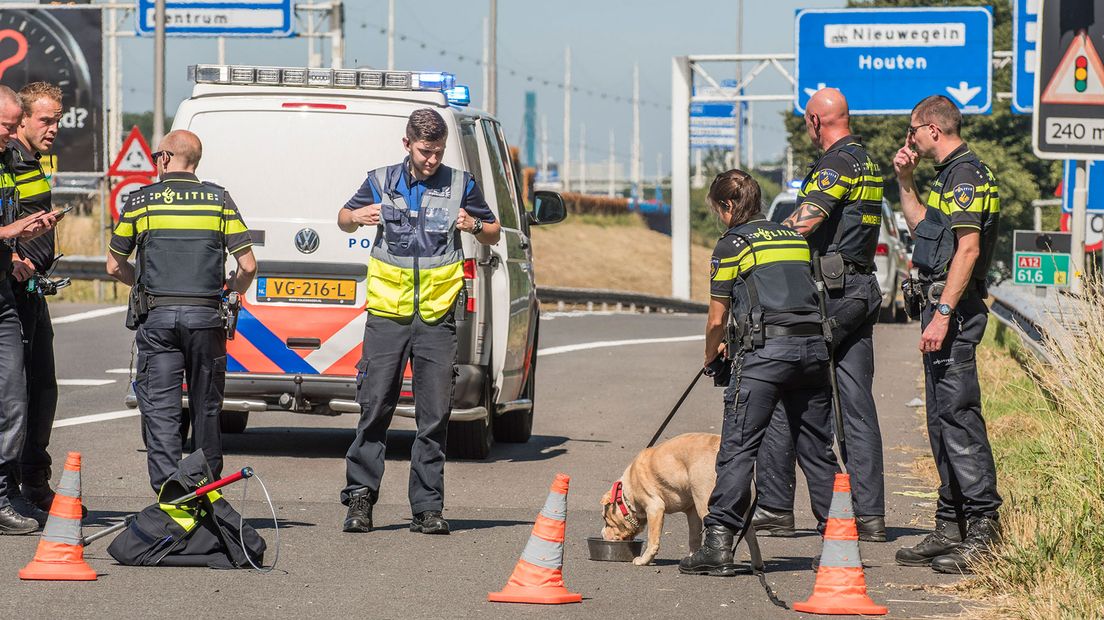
(981, 536)
(359, 518)
(871, 529)
(14, 524)
(773, 522)
(945, 539)
(29, 510)
(714, 557)
(429, 522)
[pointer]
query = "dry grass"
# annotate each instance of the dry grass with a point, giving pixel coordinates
(1047, 432)
(627, 257)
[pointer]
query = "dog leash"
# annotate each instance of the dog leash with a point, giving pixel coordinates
(674, 410)
(758, 568)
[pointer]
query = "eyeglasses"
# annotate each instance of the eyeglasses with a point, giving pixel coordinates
(914, 128)
(157, 155)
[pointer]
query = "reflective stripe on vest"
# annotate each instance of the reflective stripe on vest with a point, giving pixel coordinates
(397, 285)
(776, 262)
(32, 184)
(181, 229)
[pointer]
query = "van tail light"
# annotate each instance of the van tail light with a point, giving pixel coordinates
(882, 250)
(470, 269)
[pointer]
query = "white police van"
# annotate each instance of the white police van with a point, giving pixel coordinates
(292, 145)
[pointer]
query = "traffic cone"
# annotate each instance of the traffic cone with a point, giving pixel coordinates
(60, 555)
(538, 576)
(840, 587)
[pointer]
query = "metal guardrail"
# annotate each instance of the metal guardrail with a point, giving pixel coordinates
(1037, 319)
(600, 299)
(94, 268)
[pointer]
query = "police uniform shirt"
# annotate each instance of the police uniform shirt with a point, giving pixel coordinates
(966, 192)
(401, 182)
(136, 218)
(733, 258)
(34, 196)
(9, 204)
(834, 181)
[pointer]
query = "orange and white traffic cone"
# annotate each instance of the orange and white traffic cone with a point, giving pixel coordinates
(60, 555)
(840, 587)
(538, 576)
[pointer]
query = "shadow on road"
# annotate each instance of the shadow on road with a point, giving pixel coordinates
(460, 525)
(334, 442)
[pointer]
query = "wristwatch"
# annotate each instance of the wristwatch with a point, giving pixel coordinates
(944, 309)
(477, 227)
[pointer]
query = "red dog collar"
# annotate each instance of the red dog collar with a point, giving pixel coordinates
(617, 495)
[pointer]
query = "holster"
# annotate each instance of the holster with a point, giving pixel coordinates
(138, 307)
(833, 271)
(914, 297)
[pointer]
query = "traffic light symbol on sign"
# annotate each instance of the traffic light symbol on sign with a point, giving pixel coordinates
(1079, 79)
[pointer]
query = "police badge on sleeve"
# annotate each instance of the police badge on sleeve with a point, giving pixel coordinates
(714, 265)
(826, 178)
(963, 195)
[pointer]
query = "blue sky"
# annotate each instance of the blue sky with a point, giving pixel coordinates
(606, 38)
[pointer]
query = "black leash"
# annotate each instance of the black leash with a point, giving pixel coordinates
(675, 409)
(758, 568)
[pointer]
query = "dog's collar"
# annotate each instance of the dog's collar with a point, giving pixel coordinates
(617, 495)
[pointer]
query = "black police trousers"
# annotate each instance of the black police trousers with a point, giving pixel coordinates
(855, 310)
(431, 350)
(42, 388)
(960, 444)
(792, 370)
(178, 344)
(13, 394)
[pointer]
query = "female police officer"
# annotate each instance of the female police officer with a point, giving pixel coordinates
(762, 290)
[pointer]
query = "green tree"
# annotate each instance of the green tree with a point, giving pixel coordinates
(144, 121)
(704, 226)
(1001, 139)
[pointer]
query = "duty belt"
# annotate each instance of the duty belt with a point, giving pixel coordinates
(932, 291)
(804, 329)
(157, 301)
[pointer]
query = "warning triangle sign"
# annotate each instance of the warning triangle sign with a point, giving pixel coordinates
(1079, 79)
(134, 158)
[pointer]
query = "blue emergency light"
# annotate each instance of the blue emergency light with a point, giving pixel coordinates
(458, 95)
(794, 184)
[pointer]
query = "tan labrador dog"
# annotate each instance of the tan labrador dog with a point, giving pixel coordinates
(678, 475)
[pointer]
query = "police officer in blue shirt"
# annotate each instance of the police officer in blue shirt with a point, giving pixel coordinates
(415, 274)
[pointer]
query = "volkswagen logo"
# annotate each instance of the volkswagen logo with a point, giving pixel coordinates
(306, 241)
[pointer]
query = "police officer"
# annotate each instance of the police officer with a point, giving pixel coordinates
(955, 232)
(182, 228)
(16, 515)
(419, 207)
(840, 212)
(761, 278)
(34, 259)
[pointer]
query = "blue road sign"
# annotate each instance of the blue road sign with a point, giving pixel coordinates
(219, 18)
(712, 125)
(886, 60)
(1025, 32)
(1096, 179)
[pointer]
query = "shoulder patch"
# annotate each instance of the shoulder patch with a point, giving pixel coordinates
(963, 195)
(826, 178)
(714, 264)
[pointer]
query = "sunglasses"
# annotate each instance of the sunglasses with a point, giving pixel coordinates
(158, 154)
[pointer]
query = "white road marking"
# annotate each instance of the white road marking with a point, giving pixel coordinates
(602, 344)
(118, 371)
(91, 314)
(97, 417)
(90, 382)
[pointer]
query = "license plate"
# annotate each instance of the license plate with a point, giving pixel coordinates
(307, 290)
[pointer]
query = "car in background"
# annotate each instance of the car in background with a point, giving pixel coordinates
(891, 259)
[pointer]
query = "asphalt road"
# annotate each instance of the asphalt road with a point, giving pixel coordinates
(596, 408)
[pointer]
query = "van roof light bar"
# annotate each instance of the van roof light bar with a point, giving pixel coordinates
(322, 78)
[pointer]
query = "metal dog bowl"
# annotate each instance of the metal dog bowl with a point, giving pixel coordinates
(602, 550)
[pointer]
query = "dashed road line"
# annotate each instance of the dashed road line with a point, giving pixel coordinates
(97, 417)
(85, 382)
(602, 344)
(91, 314)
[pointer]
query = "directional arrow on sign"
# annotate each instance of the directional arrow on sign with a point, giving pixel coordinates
(813, 91)
(964, 93)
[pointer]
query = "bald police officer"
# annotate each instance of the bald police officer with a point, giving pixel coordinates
(840, 212)
(182, 228)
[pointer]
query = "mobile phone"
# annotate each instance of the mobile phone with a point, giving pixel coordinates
(64, 210)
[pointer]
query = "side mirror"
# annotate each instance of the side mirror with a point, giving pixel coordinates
(548, 208)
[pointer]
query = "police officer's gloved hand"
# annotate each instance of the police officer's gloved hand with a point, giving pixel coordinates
(720, 369)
